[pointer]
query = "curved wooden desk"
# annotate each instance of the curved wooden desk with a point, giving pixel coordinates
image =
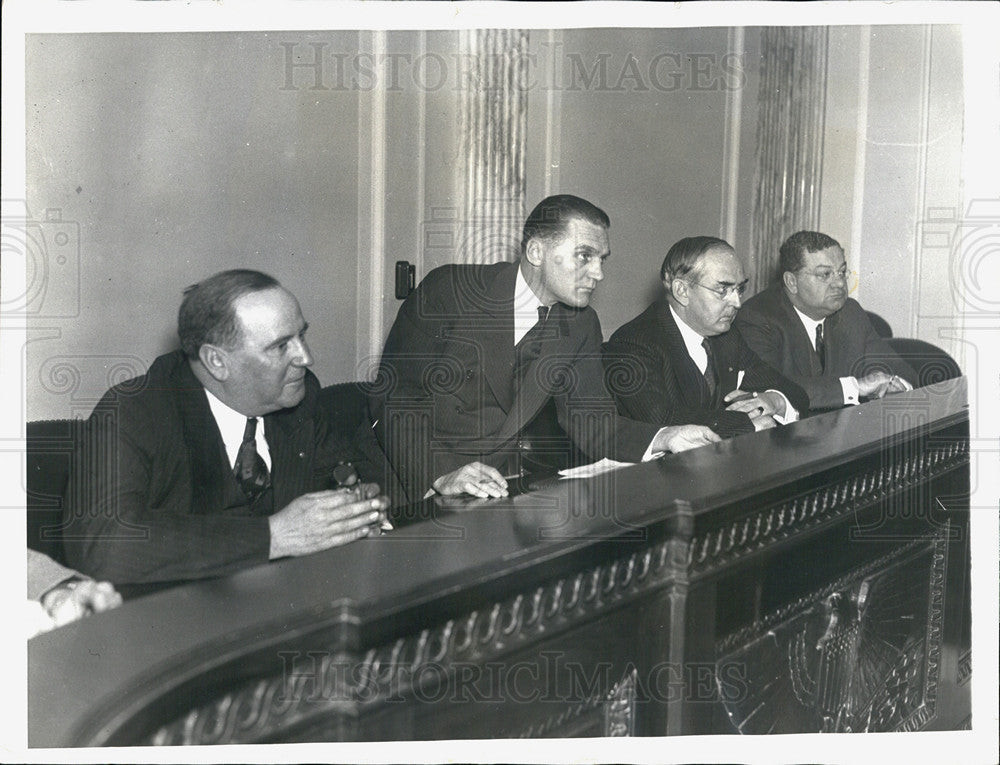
(811, 577)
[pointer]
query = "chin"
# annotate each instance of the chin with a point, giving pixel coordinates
(292, 399)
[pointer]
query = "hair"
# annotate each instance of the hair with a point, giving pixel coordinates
(791, 253)
(207, 315)
(685, 256)
(551, 216)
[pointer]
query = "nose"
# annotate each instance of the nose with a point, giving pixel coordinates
(301, 355)
(733, 298)
(595, 269)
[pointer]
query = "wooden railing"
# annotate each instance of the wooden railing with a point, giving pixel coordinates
(811, 577)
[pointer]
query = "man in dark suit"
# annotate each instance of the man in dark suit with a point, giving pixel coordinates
(178, 479)
(679, 361)
(807, 326)
(482, 360)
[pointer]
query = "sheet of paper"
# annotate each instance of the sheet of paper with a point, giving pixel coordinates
(595, 468)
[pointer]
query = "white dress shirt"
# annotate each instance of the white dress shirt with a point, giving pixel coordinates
(692, 341)
(526, 305)
(852, 393)
(231, 426)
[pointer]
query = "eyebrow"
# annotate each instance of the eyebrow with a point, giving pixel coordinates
(586, 248)
(722, 283)
(286, 338)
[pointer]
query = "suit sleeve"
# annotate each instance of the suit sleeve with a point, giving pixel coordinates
(588, 413)
(644, 391)
(128, 507)
(400, 404)
(767, 340)
(761, 375)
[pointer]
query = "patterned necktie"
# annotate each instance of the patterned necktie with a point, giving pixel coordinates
(820, 347)
(710, 379)
(250, 470)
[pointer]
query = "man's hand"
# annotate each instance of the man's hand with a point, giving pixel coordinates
(75, 599)
(877, 384)
(756, 404)
(763, 422)
(476, 479)
(680, 438)
(325, 519)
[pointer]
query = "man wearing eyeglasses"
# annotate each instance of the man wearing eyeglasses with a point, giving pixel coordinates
(807, 326)
(688, 365)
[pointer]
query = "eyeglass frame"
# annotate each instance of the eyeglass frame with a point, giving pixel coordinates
(725, 292)
(827, 276)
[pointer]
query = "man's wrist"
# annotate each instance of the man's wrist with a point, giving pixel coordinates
(851, 389)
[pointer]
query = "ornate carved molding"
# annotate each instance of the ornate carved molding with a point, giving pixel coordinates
(342, 683)
(861, 654)
(619, 712)
(965, 668)
(345, 683)
(756, 530)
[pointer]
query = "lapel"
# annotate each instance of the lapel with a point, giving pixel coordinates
(490, 324)
(289, 440)
(690, 381)
(803, 356)
(831, 335)
(203, 442)
(556, 343)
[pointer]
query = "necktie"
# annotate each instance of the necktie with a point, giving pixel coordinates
(820, 347)
(250, 470)
(710, 379)
(530, 346)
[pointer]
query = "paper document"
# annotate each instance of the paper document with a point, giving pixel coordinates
(595, 468)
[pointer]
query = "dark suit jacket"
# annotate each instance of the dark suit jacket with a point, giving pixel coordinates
(445, 390)
(152, 496)
(653, 377)
(853, 348)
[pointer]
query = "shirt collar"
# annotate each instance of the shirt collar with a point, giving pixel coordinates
(810, 324)
(231, 426)
(692, 340)
(526, 305)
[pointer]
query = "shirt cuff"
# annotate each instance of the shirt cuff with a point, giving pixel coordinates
(650, 454)
(852, 393)
(791, 413)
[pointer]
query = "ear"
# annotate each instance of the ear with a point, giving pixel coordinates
(680, 290)
(534, 253)
(791, 282)
(215, 361)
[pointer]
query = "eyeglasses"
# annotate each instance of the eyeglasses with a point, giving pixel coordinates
(727, 291)
(826, 275)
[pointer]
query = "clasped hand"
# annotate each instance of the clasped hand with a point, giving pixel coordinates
(877, 384)
(325, 519)
(759, 406)
(476, 479)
